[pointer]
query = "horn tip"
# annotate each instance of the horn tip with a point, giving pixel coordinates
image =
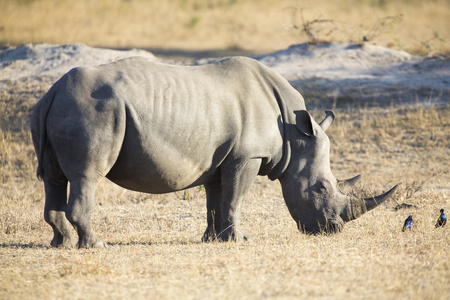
(394, 188)
(355, 179)
(330, 113)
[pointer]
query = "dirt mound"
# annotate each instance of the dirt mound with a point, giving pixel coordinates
(54, 60)
(362, 73)
(326, 74)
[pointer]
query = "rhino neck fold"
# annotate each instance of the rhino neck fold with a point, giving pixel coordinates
(282, 165)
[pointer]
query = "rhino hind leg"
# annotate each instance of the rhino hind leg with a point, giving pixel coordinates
(85, 167)
(55, 214)
(79, 211)
(213, 200)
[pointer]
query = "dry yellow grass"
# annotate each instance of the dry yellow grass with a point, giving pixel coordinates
(420, 27)
(154, 240)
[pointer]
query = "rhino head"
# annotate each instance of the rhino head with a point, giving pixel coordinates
(309, 188)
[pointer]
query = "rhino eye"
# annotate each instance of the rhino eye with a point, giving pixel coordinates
(320, 188)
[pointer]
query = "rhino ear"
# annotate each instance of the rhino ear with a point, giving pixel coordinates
(327, 121)
(304, 122)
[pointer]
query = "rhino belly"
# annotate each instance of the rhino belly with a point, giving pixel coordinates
(162, 169)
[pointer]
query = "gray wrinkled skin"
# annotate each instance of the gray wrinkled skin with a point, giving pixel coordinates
(157, 128)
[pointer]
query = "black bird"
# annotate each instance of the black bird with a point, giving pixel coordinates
(408, 223)
(442, 220)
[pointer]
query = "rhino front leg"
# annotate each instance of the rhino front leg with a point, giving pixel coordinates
(54, 213)
(237, 179)
(79, 211)
(213, 200)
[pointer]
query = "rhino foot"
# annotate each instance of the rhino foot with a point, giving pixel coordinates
(61, 241)
(209, 236)
(224, 236)
(91, 243)
(232, 235)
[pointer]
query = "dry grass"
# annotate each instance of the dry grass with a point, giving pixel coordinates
(420, 27)
(154, 240)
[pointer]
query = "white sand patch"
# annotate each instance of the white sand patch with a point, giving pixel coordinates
(326, 74)
(361, 73)
(56, 60)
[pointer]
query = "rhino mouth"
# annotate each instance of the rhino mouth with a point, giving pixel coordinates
(330, 227)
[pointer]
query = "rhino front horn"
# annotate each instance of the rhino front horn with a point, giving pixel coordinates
(372, 202)
(356, 207)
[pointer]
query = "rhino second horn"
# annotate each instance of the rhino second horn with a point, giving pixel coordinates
(356, 207)
(350, 181)
(329, 118)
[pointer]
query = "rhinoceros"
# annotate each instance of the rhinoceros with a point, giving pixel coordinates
(159, 128)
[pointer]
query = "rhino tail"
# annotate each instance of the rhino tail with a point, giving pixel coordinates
(39, 128)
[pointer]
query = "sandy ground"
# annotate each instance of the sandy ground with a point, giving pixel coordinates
(326, 74)
(154, 240)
